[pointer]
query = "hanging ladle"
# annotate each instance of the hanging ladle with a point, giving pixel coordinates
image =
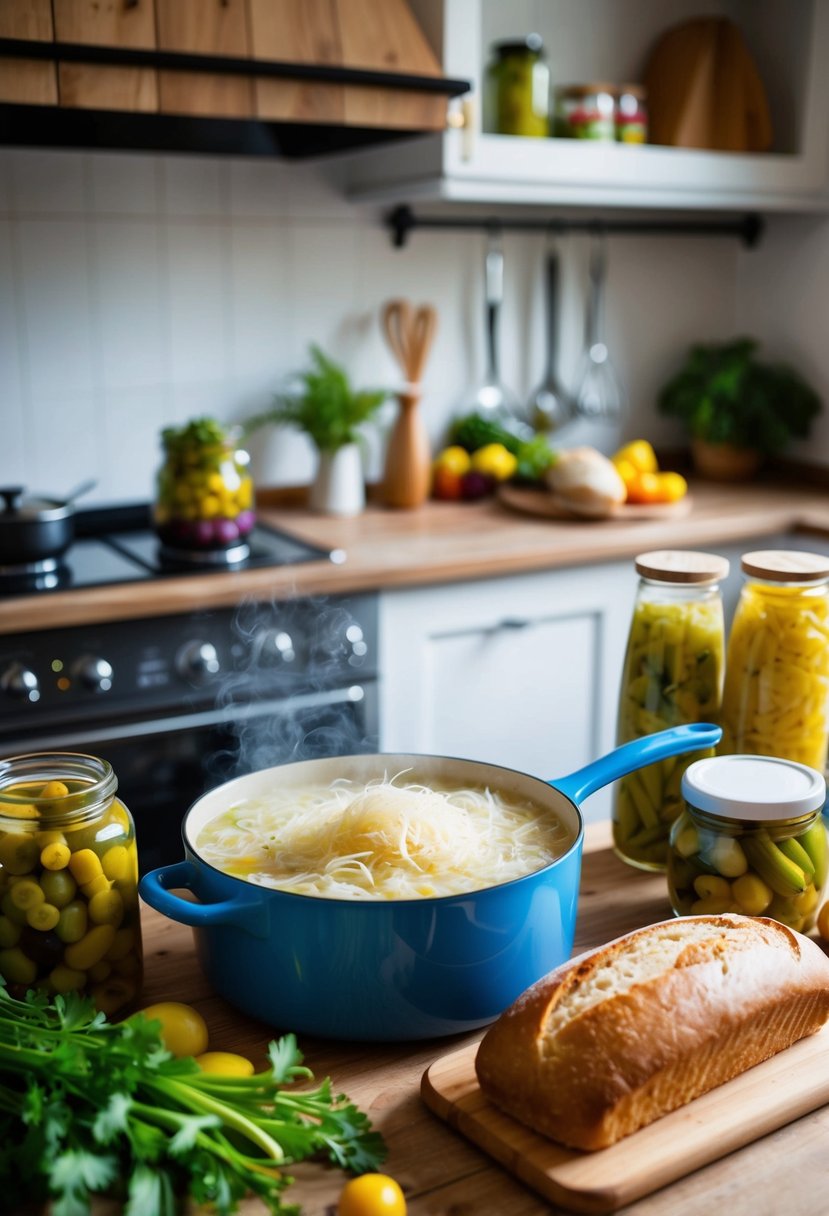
(550, 406)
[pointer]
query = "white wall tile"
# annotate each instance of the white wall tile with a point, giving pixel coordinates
(65, 437)
(50, 182)
(259, 188)
(5, 180)
(264, 301)
(124, 184)
(195, 185)
(323, 270)
(55, 305)
(198, 261)
(133, 419)
(197, 399)
(131, 303)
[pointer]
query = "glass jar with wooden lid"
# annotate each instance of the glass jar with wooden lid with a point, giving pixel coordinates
(776, 696)
(672, 675)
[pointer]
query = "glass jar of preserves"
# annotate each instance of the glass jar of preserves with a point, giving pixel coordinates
(776, 696)
(672, 675)
(585, 111)
(204, 490)
(631, 114)
(518, 88)
(69, 915)
(750, 840)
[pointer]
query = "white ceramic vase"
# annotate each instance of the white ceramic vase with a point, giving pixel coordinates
(339, 486)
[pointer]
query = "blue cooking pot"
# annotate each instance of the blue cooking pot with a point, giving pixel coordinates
(392, 969)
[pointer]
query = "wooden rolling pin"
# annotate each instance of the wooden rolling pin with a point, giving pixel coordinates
(410, 334)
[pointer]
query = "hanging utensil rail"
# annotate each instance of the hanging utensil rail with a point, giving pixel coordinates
(748, 228)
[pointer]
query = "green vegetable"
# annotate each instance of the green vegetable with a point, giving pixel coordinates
(724, 394)
(90, 1106)
(534, 454)
(199, 432)
(327, 409)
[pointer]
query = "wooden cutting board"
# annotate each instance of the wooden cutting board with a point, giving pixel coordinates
(784, 1088)
(532, 501)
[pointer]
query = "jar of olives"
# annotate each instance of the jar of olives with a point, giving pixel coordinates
(672, 675)
(751, 840)
(204, 490)
(776, 696)
(518, 89)
(69, 916)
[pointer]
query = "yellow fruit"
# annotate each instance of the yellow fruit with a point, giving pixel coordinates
(183, 1028)
(371, 1195)
(224, 1064)
(455, 459)
(495, 460)
(639, 454)
(823, 922)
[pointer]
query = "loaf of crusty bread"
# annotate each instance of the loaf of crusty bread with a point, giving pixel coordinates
(624, 1034)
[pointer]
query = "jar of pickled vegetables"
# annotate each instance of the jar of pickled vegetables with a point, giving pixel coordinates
(69, 916)
(776, 696)
(672, 675)
(751, 840)
(204, 490)
(518, 88)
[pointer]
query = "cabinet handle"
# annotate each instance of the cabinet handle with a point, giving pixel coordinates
(511, 622)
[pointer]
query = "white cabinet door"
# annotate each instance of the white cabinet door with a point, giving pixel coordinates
(520, 671)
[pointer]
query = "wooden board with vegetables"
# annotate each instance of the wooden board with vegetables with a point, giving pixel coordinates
(438, 1171)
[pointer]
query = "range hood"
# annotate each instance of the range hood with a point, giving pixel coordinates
(292, 78)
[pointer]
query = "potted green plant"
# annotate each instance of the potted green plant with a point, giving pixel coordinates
(737, 409)
(322, 403)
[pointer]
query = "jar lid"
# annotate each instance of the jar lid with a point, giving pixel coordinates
(586, 90)
(633, 90)
(785, 565)
(753, 787)
(681, 566)
(519, 46)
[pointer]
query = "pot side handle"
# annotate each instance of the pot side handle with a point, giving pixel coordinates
(639, 752)
(154, 890)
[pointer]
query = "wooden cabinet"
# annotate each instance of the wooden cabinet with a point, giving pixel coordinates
(27, 81)
(120, 23)
(520, 671)
(610, 40)
(204, 27)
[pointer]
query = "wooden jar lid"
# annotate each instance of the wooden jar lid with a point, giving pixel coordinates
(682, 566)
(786, 565)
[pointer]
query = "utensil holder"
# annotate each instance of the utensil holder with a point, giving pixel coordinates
(408, 457)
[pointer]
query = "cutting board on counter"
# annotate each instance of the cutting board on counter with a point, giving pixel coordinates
(774, 1093)
(538, 501)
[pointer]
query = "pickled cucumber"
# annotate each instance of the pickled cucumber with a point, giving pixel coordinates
(69, 900)
(672, 675)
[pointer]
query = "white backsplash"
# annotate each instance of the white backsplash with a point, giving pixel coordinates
(140, 290)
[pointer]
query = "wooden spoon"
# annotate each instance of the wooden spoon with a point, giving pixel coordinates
(410, 335)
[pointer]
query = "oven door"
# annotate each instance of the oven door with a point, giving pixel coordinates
(164, 764)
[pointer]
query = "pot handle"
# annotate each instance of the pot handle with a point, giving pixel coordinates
(625, 759)
(154, 890)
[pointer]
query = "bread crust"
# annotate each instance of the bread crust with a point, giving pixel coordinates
(732, 998)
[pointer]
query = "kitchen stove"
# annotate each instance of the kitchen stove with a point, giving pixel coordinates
(180, 703)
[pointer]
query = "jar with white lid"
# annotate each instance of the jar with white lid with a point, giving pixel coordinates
(776, 695)
(672, 675)
(750, 840)
(69, 913)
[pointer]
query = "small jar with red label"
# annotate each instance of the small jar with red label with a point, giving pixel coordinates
(631, 114)
(585, 111)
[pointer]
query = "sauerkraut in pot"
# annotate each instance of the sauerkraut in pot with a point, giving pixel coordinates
(387, 839)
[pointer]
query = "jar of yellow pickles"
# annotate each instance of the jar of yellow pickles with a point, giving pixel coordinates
(69, 916)
(672, 675)
(776, 696)
(750, 840)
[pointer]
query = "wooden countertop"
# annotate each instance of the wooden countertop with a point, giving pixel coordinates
(438, 543)
(441, 1173)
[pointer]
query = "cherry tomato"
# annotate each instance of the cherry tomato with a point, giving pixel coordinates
(225, 1064)
(183, 1028)
(371, 1195)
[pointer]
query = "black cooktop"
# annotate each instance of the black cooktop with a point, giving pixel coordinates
(118, 545)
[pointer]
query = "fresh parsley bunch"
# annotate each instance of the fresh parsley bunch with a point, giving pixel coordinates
(90, 1106)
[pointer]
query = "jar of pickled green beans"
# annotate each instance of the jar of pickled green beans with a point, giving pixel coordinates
(69, 916)
(750, 840)
(672, 675)
(776, 696)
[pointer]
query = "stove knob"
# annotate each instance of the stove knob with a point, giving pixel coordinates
(19, 682)
(273, 646)
(197, 662)
(93, 673)
(355, 639)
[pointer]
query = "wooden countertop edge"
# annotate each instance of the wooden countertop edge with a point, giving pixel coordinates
(440, 543)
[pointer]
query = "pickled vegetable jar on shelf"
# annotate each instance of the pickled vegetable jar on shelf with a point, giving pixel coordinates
(672, 675)
(518, 89)
(69, 916)
(750, 840)
(204, 490)
(776, 697)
